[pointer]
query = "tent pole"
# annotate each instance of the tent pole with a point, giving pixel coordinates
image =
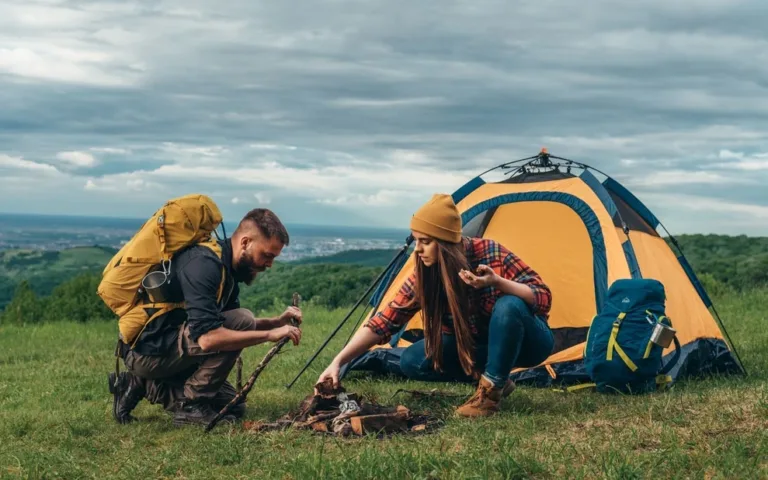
(507, 164)
(344, 369)
(730, 342)
(354, 329)
(359, 301)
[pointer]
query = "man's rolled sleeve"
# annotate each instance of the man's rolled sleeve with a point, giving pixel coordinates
(200, 280)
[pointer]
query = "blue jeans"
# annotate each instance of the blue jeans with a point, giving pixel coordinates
(516, 338)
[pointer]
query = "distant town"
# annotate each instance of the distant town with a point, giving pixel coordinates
(59, 233)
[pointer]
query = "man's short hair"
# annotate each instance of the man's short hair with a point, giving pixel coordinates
(268, 224)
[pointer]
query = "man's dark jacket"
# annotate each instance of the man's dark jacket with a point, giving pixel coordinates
(195, 279)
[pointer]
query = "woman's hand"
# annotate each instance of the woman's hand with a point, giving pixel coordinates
(364, 339)
(485, 277)
(332, 372)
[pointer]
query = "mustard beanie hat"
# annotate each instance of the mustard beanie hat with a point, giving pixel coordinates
(438, 218)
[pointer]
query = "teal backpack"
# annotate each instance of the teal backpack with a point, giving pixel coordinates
(625, 342)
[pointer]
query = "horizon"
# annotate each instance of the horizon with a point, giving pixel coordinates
(390, 230)
(227, 222)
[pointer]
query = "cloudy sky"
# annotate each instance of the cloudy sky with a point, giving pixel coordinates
(355, 112)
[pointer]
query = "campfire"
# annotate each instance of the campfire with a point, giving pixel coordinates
(337, 412)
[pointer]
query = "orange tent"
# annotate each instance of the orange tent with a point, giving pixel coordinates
(581, 234)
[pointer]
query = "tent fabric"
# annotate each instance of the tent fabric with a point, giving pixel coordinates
(617, 266)
(685, 308)
(387, 280)
(694, 279)
(565, 264)
(632, 201)
(580, 235)
(468, 188)
(629, 253)
(600, 191)
(528, 215)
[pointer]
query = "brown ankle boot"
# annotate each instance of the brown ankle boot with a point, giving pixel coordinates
(485, 400)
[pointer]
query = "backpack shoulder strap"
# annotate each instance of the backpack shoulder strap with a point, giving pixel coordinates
(663, 380)
(220, 293)
(674, 359)
(614, 345)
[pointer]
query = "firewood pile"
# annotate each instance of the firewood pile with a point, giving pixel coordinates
(337, 412)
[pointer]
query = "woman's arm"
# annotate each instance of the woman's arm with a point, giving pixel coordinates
(378, 329)
(517, 289)
(364, 339)
(487, 277)
(533, 291)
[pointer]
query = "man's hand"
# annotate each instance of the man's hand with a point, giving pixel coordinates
(485, 277)
(288, 314)
(277, 334)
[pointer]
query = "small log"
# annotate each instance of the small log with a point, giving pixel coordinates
(384, 423)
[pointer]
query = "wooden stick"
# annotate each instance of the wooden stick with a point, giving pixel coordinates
(259, 368)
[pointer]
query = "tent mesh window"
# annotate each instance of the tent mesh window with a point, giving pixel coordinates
(631, 217)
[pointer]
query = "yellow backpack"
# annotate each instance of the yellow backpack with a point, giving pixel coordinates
(134, 280)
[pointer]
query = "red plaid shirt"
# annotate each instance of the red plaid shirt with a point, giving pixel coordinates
(479, 251)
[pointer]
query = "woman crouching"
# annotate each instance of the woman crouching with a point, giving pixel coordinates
(485, 312)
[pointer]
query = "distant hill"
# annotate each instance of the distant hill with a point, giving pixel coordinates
(368, 258)
(342, 274)
(332, 285)
(738, 261)
(44, 270)
(26, 263)
(699, 246)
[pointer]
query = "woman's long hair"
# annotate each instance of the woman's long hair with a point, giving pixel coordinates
(440, 290)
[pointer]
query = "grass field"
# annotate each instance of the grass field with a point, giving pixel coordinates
(55, 420)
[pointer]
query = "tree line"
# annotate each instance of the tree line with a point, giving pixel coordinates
(724, 265)
(738, 262)
(328, 285)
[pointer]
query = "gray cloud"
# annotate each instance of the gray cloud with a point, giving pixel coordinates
(300, 104)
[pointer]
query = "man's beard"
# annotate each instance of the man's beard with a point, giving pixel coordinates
(244, 271)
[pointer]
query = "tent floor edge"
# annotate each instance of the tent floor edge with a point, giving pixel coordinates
(377, 361)
(702, 358)
(728, 341)
(567, 374)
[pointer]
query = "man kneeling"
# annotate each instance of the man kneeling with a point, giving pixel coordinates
(182, 360)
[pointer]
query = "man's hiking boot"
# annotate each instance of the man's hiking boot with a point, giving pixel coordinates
(197, 413)
(237, 410)
(225, 395)
(126, 395)
(486, 399)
